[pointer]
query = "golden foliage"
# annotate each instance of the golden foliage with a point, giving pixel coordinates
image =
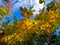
(25, 12)
(4, 11)
(44, 23)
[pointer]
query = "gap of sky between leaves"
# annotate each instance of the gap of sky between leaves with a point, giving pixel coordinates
(24, 3)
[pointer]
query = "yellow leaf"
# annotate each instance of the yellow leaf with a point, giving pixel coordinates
(1, 16)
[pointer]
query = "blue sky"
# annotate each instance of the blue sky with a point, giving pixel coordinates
(17, 3)
(26, 3)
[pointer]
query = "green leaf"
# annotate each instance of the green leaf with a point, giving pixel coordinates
(41, 1)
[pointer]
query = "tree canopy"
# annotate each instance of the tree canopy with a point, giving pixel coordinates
(27, 31)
